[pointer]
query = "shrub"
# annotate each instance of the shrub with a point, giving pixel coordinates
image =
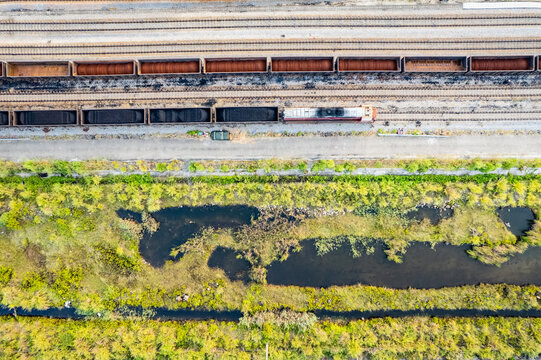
(62, 167)
(321, 165)
(33, 281)
(286, 319)
(161, 167)
(5, 275)
(67, 280)
(118, 259)
(302, 166)
(195, 166)
(149, 223)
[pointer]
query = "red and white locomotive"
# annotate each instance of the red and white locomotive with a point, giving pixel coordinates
(363, 113)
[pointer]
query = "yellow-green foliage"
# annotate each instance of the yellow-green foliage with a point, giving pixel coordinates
(20, 202)
(533, 237)
(46, 228)
(368, 298)
(419, 338)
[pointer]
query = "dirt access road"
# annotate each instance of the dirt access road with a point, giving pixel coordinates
(344, 147)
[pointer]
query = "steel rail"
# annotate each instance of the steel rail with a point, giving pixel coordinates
(445, 89)
(371, 93)
(273, 47)
(309, 22)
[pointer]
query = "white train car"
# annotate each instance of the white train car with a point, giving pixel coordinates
(364, 113)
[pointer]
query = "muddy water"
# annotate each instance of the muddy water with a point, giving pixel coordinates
(179, 224)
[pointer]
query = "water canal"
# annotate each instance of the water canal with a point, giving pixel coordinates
(422, 266)
(178, 224)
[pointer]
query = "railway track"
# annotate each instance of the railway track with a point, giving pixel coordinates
(268, 22)
(249, 94)
(523, 90)
(534, 115)
(192, 48)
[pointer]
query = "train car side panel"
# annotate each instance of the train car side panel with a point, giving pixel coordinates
(104, 68)
(246, 114)
(113, 117)
(46, 117)
(302, 64)
(37, 69)
(435, 64)
(505, 63)
(4, 118)
(170, 67)
(235, 65)
(352, 64)
(189, 115)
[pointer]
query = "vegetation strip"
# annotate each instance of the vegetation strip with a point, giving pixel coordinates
(97, 167)
(422, 337)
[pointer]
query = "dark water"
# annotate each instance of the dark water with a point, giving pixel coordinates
(179, 224)
(226, 259)
(518, 220)
(235, 315)
(433, 213)
(422, 267)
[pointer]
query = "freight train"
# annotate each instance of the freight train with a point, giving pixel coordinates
(364, 113)
(450, 64)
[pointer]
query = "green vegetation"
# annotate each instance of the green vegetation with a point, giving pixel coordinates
(419, 338)
(50, 229)
(59, 167)
(62, 241)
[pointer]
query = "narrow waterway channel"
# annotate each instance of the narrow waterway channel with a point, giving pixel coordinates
(235, 315)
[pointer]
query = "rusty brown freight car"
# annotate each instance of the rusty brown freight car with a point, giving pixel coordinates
(302, 64)
(170, 67)
(369, 64)
(104, 68)
(502, 63)
(436, 64)
(235, 65)
(37, 69)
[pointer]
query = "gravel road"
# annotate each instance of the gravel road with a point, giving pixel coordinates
(287, 148)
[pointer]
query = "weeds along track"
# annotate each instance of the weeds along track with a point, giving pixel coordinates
(271, 22)
(271, 47)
